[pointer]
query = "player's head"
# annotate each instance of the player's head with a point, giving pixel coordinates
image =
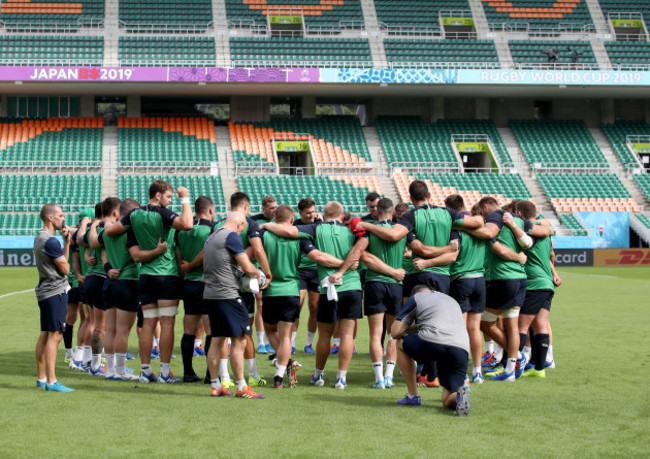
(455, 202)
(204, 207)
(88, 212)
(307, 210)
(419, 191)
(487, 204)
(526, 209)
(269, 206)
(511, 206)
(111, 208)
(236, 221)
(333, 211)
(400, 209)
(371, 203)
(385, 209)
(420, 288)
(160, 193)
(284, 214)
(127, 205)
(476, 210)
(52, 214)
(347, 218)
(240, 202)
(98, 211)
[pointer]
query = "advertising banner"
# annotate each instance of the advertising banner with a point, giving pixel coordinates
(17, 257)
(622, 257)
(574, 257)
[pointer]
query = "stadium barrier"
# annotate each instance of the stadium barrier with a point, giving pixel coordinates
(601, 258)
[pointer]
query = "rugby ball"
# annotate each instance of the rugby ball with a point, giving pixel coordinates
(249, 283)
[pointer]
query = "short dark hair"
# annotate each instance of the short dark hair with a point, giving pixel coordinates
(488, 201)
(527, 209)
(238, 198)
(455, 202)
(420, 288)
(202, 204)
(385, 206)
(373, 196)
(47, 210)
(268, 199)
(419, 190)
(159, 186)
(476, 210)
(109, 205)
(305, 203)
(127, 205)
(283, 213)
(98, 210)
(401, 207)
(511, 206)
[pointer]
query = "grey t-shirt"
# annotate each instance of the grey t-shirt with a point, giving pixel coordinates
(219, 265)
(51, 282)
(438, 318)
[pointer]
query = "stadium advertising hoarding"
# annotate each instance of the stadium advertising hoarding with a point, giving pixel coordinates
(17, 257)
(574, 257)
(622, 257)
(608, 230)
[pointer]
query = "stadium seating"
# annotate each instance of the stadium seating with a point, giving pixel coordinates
(166, 14)
(350, 191)
(472, 187)
(186, 142)
(532, 52)
(587, 193)
(556, 143)
(626, 6)
(628, 52)
(26, 224)
(409, 15)
(51, 50)
(327, 15)
(299, 51)
(538, 14)
(28, 193)
(572, 223)
(137, 187)
(643, 219)
(643, 181)
(440, 53)
(164, 51)
(51, 142)
(412, 140)
(59, 15)
(617, 135)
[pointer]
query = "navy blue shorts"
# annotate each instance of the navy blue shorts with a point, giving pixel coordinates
(451, 361)
(435, 281)
(347, 307)
(193, 298)
(505, 293)
(73, 295)
(94, 291)
(309, 280)
(536, 300)
(382, 297)
(228, 318)
(469, 292)
(53, 312)
(154, 288)
(249, 302)
(121, 294)
(280, 308)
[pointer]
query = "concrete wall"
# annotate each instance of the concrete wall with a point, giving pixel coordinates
(630, 109)
(87, 105)
(250, 108)
(401, 106)
(133, 106)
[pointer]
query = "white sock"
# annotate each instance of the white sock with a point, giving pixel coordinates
(266, 340)
(260, 339)
(96, 361)
(164, 369)
(476, 369)
(146, 369)
(489, 347)
(527, 352)
(280, 369)
(310, 338)
(337, 342)
(68, 353)
(120, 363)
(251, 364)
(549, 354)
(156, 342)
(198, 342)
(241, 384)
(87, 354)
(110, 363)
(216, 384)
(293, 339)
(498, 353)
(378, 368)
(44, 380)
(318, 372)
(78, 354)
(341, 375)
(390, 368)
(510, 366)
(223, 370)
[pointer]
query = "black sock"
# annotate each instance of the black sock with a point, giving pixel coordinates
(430, 370)
(187, 352)
(206, 346)
(67, 336)
(540, 349)
(523, 337)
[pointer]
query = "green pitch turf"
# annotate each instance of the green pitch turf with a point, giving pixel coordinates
(595, 403)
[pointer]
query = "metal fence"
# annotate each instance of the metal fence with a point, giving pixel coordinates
(25, 167)
(170, 29)
(166, 167)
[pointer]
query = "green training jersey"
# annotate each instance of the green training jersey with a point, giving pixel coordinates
(284, 258)
(82, 261)
(97, 253)
(118, 254)
(151, 223)
(72, 279)
(190, 244)
(391, 253)
(471, 256)
(432, 226)
(305, 261)
(497, 267)
(538, 265)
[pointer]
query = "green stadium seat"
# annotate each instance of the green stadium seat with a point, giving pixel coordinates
(410, 15)
(643, 181)
(439, 53)
(525, 14)
(167, 51)
(65, 15)
(532, 52)
(628, 52)
(28, 193)
(166, 15)
(51, 50)
(617, 135)
(626, 6)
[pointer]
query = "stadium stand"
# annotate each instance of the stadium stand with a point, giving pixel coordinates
(643, 181)
(559, 144)
(440, 53)
(504, 187)
(28, 193)
(400, 16)
(617, 135)
(59, 15)
(407, 140)
(538, 14)
(626, 6)
(331, 14)
(51, 50)
(167, 15)
(572, 223)
(350, 191)
(299, 51)
(185, 142)
(628, 52)
(533, 52)
(587, 193)
(24, 224)
(53, 142)
(643, 219)
(137, 186)
(164, 51)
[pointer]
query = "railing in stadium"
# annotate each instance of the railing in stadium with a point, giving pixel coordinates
(255, 168)
(576, 168)
(52, 27)
(403, 166)
(24, 167)
(82, 62)
(169, 29)
(560, 29)
(415, 31)
(166, 167)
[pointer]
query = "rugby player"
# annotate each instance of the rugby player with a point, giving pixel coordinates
(74, 277)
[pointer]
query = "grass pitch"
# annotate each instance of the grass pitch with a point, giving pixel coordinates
(595, 403)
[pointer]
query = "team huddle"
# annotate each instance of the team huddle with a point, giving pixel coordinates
(433, 282)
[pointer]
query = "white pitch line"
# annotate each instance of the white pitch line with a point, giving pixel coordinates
(16, 293)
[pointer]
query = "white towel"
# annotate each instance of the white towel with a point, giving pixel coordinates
(331, 289)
